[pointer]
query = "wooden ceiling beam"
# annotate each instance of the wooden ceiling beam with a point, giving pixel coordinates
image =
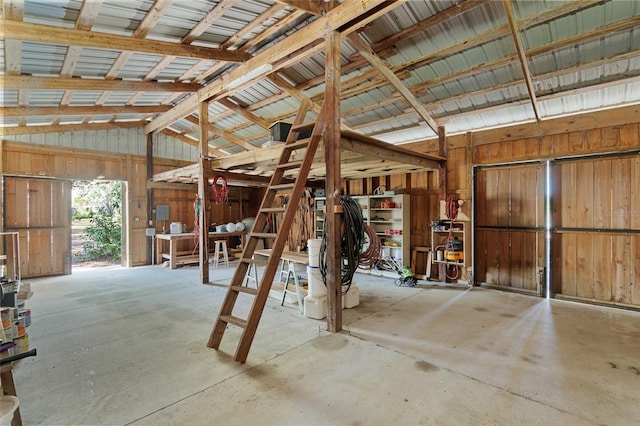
(214, 14)
(344, 14)
(515, 35)
(317, 8)
(227, 103)
(57, 35)
(54, 83)
(372, 147)
(384, 69)
(81, 110)
(62, 128)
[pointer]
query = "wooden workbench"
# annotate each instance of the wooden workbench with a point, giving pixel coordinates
(175, 258)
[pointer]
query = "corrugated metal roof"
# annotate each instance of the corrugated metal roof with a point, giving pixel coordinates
(462, 82)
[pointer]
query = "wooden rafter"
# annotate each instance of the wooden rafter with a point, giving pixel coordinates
(58, 35)
(84, 21)
(61, 128)
(81, 110)
(317, 8)
(338, 17)
(515, 33)
(54, 83)
(384, 69)
(244, 112)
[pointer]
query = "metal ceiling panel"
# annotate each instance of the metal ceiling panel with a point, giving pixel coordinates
(42, 59)
(9, 98)
(46, 97)
(138, 66)
(56, 12)
(120, 17)
(84, 97)
(94, 62)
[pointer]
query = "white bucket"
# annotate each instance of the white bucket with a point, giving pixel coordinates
(175, 228)
(352, 298)
(314, 251)
(315, 307)
(8, 405)
(316, 285)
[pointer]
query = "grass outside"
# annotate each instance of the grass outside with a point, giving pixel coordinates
(77, 238)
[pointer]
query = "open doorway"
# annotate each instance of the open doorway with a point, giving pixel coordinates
(96, 223)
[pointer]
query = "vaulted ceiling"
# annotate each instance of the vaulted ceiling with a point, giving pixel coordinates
(407, 66)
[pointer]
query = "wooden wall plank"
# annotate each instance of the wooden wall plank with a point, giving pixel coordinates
(634, 208)
(621, 194)
(502, 197)
(584, 187)
(635, 270)
(503, 258)
(584, 266)
(602, 194)
(517, 272)
(602, 267)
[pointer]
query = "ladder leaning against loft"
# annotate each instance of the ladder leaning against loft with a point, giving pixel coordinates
(277, 184)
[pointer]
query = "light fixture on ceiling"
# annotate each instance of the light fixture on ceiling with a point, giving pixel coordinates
(248, 76)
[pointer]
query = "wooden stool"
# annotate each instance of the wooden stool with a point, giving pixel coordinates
(220, 250)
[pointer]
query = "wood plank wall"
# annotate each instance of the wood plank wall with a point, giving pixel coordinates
(602, 132)
(46, 161)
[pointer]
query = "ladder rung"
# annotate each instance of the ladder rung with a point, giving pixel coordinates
(303, 126)
(281, 186)
(291, 165)
(263, 235)
(247, 290)
(273, 209)
(230, 319)
(299, 144)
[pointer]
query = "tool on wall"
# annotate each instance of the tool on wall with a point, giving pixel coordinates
(220, 193)
(452, 246)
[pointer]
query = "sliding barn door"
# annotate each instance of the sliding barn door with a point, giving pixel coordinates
(596, 229)
(509, 231)
(40, 211)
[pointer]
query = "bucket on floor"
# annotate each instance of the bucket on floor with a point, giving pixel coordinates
(352, 298)
(8, 405)
(314, 251)
(316, 284)
(315, 307)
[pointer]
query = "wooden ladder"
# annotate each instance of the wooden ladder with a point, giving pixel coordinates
(277, 184)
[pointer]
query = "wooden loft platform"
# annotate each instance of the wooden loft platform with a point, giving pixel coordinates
(362, 156)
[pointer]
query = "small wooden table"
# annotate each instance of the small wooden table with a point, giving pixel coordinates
(174, 257)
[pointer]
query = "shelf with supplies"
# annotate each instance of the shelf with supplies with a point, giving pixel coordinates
(388, 215)
(449, 241)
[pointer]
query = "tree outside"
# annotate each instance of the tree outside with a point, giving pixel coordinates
(96, 222)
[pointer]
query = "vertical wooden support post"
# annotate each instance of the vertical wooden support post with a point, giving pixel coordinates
(203, 193)
(442, 190)
(332, 183)
(150, 247)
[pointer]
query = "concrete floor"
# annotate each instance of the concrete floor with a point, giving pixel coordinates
(127, 346)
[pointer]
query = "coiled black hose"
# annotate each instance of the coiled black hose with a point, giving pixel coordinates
(373, 254)
(352, 242)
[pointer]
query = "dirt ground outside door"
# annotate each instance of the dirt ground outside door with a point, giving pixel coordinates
(77, 238)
